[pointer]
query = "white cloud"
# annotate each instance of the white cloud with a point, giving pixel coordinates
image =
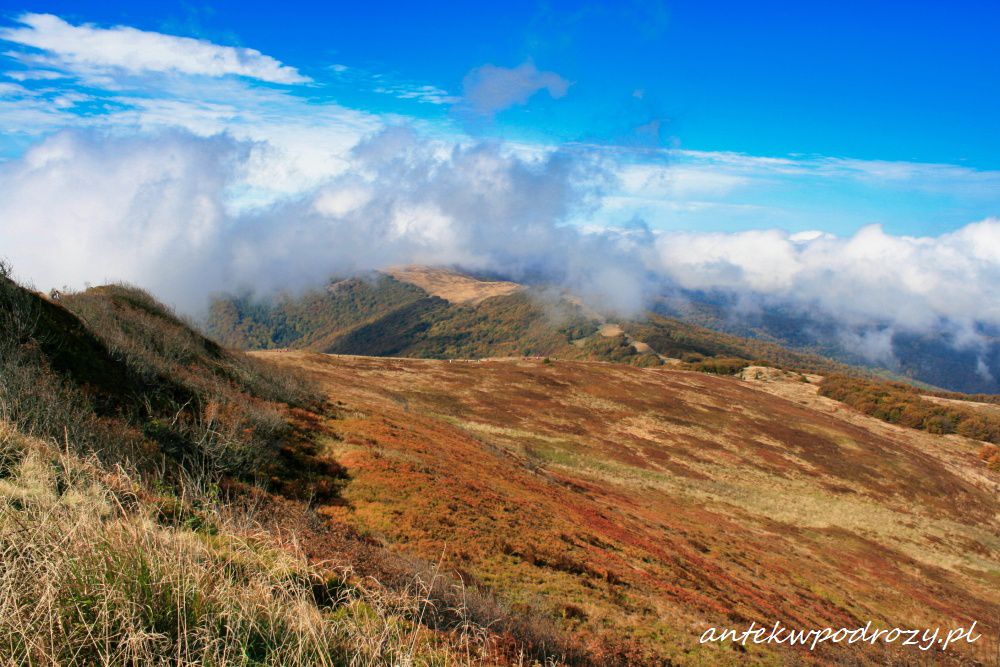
(489, 89)
(34, 75)
(873, 345)
(930, 177)
(678, 181)
(910, 283)
(390, 84)
(154, 209)
(86, 46)
(809, 235)
(338, 201)
(12, 90)
(82, 208)
(157, 208)
(420, 93)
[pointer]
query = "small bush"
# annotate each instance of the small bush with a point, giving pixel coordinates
(990, 454)
(720, 365)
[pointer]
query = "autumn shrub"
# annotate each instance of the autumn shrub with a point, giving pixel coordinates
(617, 349)
(904, 405)
(980, 427)
(719, 365)
(990, 454)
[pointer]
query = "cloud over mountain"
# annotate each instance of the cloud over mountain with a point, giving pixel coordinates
(909, 281)
(156, 209)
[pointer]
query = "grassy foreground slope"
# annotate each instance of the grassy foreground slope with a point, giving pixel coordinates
(156, 507)
(642, 506)
(97, 569)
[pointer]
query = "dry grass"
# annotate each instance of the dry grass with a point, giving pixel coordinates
(92, 573)
(451, 286)
(129, 445)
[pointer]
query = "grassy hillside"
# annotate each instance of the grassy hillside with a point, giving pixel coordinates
(511, 325)
(694, 344)
(166, 500)
(641, 506)
(119, 375)
(382, 316)
(97, 569)
(157, 506)
(312, 320)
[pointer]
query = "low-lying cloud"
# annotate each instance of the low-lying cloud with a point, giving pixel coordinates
(83, 207)
(912, 282)
(155, 209)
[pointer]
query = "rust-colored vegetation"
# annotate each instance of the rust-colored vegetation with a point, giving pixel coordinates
(161, 495)
(637, 507)
(990, 454)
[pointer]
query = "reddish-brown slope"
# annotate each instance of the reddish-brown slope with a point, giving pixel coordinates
(644, 506)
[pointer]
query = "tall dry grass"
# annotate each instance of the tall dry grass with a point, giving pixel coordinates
(118, 424)
(91, 573)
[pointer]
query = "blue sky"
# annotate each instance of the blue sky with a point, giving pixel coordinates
(892, 81)
(885, 112)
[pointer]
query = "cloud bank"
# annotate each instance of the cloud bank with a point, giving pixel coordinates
(155, 209)
(910, 282)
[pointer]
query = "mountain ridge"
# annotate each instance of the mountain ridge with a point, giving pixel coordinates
(487, 321)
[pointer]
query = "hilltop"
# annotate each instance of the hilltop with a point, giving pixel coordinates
(452, 286)
(443, 314)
